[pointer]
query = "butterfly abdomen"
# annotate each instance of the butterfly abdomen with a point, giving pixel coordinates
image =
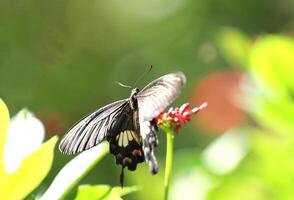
(149, 142)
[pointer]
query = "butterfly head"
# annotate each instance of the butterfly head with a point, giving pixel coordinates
(134, 92)
(133, 99)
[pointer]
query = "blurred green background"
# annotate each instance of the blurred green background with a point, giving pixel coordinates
(61, 59)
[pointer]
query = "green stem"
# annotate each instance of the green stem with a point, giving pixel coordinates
(168, 162)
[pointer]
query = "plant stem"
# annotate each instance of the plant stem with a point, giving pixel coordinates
(168, 162)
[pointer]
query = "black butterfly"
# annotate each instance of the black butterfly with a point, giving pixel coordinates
(128, 124)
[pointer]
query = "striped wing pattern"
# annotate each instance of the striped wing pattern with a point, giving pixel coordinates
(159, 94)
(92, 129)
(152, 100)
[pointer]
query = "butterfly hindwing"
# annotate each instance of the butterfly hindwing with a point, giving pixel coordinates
(126, 142)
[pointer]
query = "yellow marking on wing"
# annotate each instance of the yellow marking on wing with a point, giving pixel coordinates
(130, 137)
(125, 139)
(120, 142)
(135, 136)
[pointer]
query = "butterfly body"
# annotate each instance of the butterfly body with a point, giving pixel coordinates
(128, 125)
(125, 140)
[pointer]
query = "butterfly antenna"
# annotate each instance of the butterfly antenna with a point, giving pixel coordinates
(121, 178)
(144, 74)
(123, 85)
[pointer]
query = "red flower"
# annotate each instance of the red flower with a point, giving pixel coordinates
(175, 117)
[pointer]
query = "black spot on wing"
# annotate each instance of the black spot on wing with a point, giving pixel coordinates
(127, 149)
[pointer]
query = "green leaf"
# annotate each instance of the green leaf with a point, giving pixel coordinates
(103, 192)
(277, 115)
(239, 186)
(234, 46)
(271, 61)
(271, 66)
(275, 163)
(123, 191)
(32, 171)
(92, 192)
(266, 173)
(74, 171)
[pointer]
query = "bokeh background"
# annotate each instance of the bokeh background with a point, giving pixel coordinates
(60, 59)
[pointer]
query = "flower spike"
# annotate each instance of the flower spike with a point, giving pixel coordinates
(174, 118)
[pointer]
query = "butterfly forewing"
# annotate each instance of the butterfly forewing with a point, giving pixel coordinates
(159, 94)
(92, 129)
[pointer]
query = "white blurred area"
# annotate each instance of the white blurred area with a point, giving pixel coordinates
(226, 152)
(191, 185)
(25, 135)
(150, 10)
(220, 157)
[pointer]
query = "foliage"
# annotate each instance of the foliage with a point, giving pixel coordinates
(267, 171)
(33, 169)
(103, 192)
(73, 171)
(35, 166)
(260, 153)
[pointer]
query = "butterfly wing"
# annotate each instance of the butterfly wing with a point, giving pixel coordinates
(92, 129)
(126, 144)
(125, 141)
(152, 100)
(159, 94)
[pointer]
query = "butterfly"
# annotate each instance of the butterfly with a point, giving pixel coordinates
(128, 125)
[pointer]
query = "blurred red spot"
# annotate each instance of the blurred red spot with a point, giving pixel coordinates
(221, 90)
(53, 123)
